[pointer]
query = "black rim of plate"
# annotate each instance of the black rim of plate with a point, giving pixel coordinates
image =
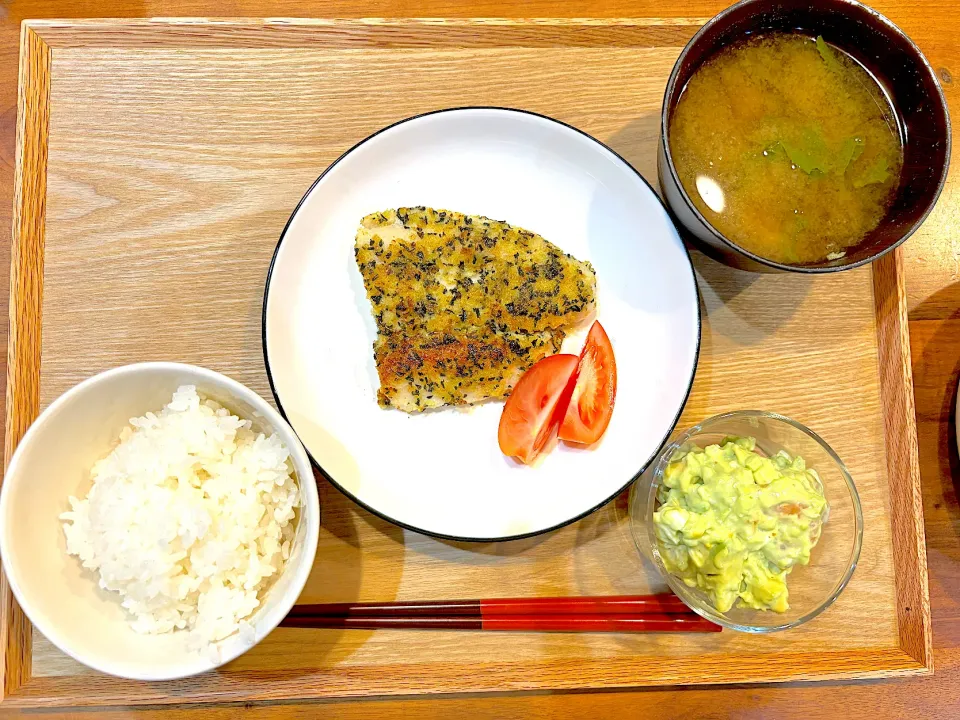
(424, 531)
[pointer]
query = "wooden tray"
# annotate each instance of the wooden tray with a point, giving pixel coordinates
(157, 164)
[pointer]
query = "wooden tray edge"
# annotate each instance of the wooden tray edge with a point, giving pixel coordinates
(26, 292)
(365, 32)
(507, 678)
(914, 657)
(903, 459)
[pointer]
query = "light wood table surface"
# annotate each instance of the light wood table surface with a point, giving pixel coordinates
(933, 284)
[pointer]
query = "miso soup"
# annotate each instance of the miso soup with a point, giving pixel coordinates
(787, 146)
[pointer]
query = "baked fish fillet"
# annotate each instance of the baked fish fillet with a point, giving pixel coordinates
(463, 304)
(427, 370)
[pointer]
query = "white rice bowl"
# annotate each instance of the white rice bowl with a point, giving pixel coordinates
(189, 519)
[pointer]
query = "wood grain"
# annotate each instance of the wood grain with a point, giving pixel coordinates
(196, 33)
(309, 682)
(157, 184)
(23, 382)
(903, 464)
(931, 260)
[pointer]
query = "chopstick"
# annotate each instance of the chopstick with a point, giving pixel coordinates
(666, 603)
(537, 623)
(615, 613)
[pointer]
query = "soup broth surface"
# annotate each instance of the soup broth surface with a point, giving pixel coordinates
(787, 146)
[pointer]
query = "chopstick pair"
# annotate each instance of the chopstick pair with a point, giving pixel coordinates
(613, 613)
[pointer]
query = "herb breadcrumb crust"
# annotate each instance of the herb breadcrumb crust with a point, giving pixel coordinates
(463, 304)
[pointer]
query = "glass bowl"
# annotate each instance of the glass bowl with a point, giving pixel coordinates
(812, 588)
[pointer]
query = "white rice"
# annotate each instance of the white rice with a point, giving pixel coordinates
(188, 519)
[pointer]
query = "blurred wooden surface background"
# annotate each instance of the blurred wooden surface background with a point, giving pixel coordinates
(933, 284)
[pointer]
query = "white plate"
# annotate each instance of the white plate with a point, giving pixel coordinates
(442, 472)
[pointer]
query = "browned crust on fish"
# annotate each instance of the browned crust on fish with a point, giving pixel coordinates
(426, 371)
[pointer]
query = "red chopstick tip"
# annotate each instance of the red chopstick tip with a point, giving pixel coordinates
(601, 623)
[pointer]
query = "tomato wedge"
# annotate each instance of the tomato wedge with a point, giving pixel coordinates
(535, 407)
(591, 404)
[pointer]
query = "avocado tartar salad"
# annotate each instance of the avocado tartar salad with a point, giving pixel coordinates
(734, 522)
